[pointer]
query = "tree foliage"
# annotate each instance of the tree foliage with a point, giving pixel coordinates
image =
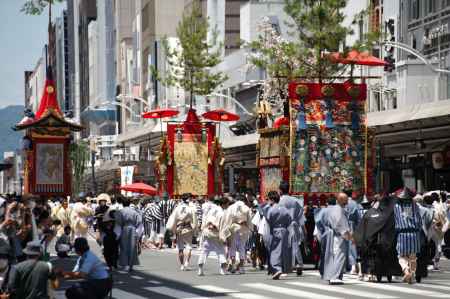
(36, 7)
(79, 156)
(190, 63)
(316, 29)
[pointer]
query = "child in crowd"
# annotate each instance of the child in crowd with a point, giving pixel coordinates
(63, 245)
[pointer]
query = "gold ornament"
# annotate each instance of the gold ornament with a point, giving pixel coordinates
(327, 90)
(302, 90)
(50, 89)
(354, 91)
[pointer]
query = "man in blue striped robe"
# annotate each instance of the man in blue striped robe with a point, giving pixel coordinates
(408, 224)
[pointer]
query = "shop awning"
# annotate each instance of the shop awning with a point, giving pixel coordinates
(411, 113)
(242, 140)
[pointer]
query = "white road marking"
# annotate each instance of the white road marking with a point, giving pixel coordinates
(136, 277)
(432, 286)
(287, 291)
(406, 290)
(177, 293)
(341, 290)
(215, 289)
(247, 296)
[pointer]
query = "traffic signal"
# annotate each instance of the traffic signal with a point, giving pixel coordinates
(389, 50)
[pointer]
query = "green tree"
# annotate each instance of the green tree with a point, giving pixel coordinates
(36, 7)
(79, 156)
(316, 30)
(190, 63)
(318, 27)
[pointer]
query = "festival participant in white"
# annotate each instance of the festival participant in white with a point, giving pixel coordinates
(236, 230)
(183, 223)
(210, 236)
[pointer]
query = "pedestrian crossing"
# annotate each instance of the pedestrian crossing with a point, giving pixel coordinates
(303, 288)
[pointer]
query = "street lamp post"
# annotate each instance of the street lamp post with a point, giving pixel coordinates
(94, 181)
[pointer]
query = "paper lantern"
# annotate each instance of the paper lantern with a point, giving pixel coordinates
(438, 160)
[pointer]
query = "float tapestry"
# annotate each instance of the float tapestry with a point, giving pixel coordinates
(270, 179)
(191, 165)
(50, 163)
(327, 137)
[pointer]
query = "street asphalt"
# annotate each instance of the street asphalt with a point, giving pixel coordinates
(159, 276)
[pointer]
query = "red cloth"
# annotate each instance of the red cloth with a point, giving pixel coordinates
(48, 100)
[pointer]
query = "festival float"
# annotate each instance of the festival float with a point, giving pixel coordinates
(48, 134)
(191, 158)
(322, 144)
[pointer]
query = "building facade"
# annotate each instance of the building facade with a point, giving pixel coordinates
(62, 78)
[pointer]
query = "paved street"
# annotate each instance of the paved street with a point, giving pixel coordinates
(159, 277)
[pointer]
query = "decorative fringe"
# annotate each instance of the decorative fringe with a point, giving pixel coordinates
(355, 117)
(329, 115)
(301, 117)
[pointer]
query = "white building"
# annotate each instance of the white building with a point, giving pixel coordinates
(36, 84)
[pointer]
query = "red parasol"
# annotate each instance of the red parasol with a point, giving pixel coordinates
(160, 113)
(356, 57)
(220, 115)
(140, 188)
(281, 121)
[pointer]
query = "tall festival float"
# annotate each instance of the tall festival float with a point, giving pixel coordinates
(322, 145)
(190, 159)
(47, 165)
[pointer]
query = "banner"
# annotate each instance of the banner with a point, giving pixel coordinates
(191, 166)
(126, 178)
(329, 152)
(49, 166)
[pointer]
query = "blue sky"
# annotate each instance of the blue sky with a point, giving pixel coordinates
(22, 41)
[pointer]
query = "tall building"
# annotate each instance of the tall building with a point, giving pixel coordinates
(225, 16)
(80, 14)
(409, 105)
(34, 84)
(61, 67)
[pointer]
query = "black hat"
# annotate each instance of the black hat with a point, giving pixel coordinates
(81, 245)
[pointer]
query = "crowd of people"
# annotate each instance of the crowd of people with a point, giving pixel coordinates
(398, 234)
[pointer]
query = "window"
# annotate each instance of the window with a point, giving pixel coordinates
(431, 6)
(414, 10)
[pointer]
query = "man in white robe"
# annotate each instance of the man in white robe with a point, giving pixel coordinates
(183, 223)
(62, 213)
(236, 231)
(211, 241)
(79, 219)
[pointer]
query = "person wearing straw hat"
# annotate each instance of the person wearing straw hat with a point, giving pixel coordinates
(32, 276)
(109, 239)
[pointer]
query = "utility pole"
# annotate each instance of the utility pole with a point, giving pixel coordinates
(93, 152)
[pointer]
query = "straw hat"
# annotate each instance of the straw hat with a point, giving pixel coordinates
(104, 197)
